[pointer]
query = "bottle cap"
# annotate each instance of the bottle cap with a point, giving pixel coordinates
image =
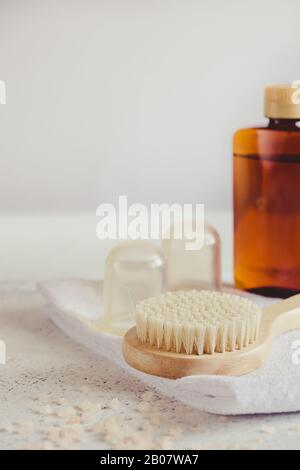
(283, 101)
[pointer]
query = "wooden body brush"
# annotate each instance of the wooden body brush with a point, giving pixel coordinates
(204, 332)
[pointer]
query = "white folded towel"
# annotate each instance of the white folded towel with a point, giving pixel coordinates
(274, 388)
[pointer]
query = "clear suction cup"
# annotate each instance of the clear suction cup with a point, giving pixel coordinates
(197, 268)
(134, 270)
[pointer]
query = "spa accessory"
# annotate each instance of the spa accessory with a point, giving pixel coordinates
(134, 270)
(139, 269)
(193, 269)
(192, 323)
(267, 198)
(74, 303)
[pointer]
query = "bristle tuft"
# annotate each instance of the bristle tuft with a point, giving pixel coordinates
(198, 322)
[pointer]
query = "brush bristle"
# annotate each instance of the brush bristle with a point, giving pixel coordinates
(198, 322)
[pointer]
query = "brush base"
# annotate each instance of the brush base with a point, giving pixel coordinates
(171, 365)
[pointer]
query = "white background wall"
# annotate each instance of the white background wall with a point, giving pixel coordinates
(136, 97)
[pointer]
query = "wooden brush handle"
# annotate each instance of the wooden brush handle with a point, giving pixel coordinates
(281, 317)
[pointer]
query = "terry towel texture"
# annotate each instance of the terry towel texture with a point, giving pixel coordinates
(274, 388)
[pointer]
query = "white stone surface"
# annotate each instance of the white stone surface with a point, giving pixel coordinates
(42, 363)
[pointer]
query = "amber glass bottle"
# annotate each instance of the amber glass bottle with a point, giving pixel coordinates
(267, 199)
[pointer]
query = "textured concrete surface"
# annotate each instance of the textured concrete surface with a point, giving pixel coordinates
(47, 376)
